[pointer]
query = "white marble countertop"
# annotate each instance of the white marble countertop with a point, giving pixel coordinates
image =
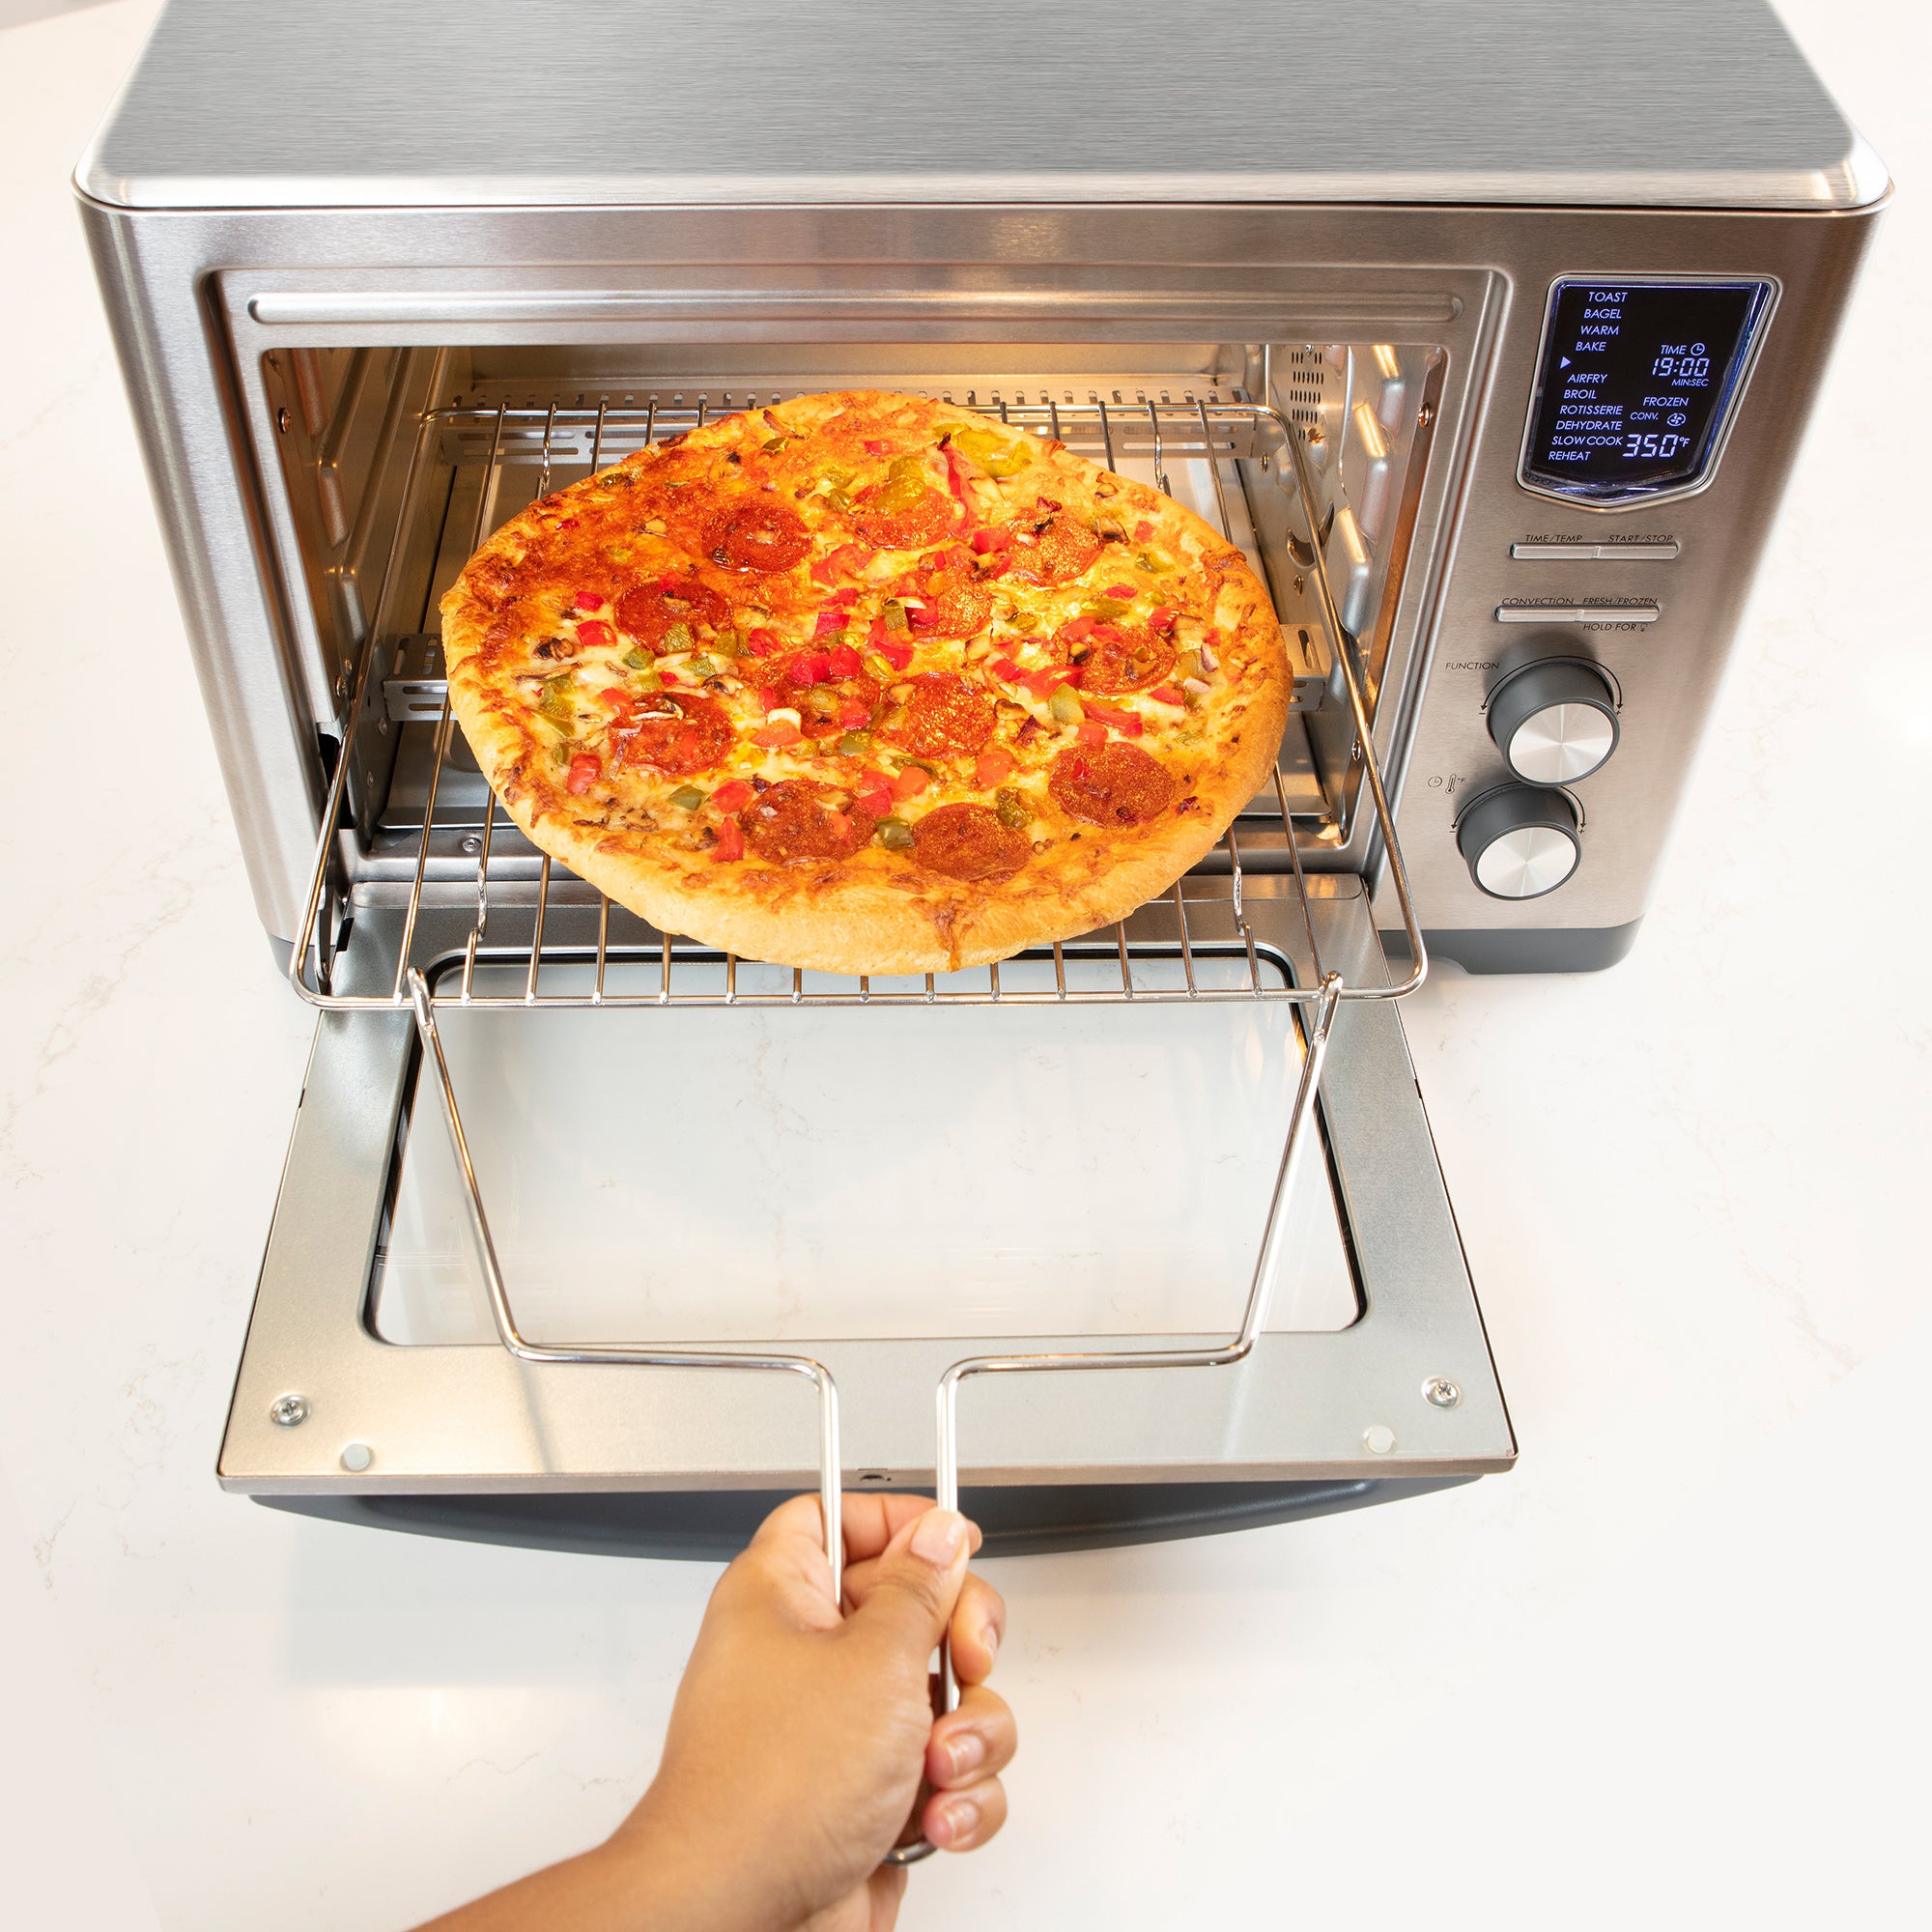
(1670, 1671)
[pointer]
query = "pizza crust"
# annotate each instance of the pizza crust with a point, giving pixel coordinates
(875, 911)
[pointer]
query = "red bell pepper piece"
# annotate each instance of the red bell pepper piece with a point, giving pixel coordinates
(596, 636)
(1124, 593)
(921, 617)
(1080, 628)
(808, 669)
(1143, 530)
(1045, 683)
(955, 476)
(731, 842)
(762, 642)
(1165, 693)
(1127, 722)
(899, 656)
(842, 660)
(1091, 733)
(993, 766)
(732, 796)
(588, 600)
(991, 537)
(828, 623)
(583, 772)
(853, 715)
(911, 782)
(1161, 618)
(773, 736)
(874, 447)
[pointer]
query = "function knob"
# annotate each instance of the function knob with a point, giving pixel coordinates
(1555, 720)
(1520, 840)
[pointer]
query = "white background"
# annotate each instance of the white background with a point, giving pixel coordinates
(1671, 1671)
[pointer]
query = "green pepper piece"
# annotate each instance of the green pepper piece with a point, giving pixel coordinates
(895, 833)
(1104, 609)
(636, 660)
(876, 666)
(677, 637)
(855, 744)
(996, 457)
(687, 798)
(777, 443)
(556, 702)
(1013, 810)
(701, 668)
(1065, 707)
(894, 615)
(1187, 664)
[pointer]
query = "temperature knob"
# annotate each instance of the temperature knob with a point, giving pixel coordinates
(1520, 840)
(1555, 720)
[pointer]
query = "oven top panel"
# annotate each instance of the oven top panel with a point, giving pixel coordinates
(366, 103)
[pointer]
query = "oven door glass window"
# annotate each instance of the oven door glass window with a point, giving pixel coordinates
(793, 1174)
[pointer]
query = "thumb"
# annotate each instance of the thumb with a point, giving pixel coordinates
(917, 1584)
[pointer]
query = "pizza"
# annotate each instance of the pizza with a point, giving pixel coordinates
(867, 683)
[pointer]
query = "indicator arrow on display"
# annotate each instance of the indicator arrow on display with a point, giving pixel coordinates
(1564, 363)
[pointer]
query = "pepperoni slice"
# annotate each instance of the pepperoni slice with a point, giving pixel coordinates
(647, 612)
(945, 714)
(798, 821)
(968, 842)
(685, 742)
(1114, 783)
(954, 610)
(763, 535)
(894, 524)
(1061, 549)
(1124, 660)
(823, 710)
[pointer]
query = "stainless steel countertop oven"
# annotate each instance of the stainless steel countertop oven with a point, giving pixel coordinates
(1490, 332)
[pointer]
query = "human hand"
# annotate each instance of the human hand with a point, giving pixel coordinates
(799, 1739)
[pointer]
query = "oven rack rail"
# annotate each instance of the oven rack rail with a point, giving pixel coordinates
(1156, 951)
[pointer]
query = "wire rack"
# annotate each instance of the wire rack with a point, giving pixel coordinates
(1158, 955)
(1151, 957)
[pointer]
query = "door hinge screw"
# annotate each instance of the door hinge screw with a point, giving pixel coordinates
(287, 1411)
(1441, 1391)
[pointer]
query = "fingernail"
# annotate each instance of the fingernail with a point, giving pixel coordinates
(990, 1637)
(965, 1753)
(939, 1537)
(958, 1818)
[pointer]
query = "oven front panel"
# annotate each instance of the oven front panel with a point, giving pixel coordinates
(366, 1310)
(277, 627)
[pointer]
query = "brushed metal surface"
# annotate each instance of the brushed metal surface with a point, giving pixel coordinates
(341, 102)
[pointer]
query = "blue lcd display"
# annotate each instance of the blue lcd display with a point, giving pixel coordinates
(1636, 385)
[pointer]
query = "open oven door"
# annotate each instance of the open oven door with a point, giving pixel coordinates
(884, 1188)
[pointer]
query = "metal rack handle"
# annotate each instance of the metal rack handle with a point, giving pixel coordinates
(514, 1339)
(1236, 1349)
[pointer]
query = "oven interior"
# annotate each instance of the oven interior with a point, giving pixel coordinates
(397, 461)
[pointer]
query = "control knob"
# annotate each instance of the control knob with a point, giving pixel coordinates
(1555, 720)
(1520, 840)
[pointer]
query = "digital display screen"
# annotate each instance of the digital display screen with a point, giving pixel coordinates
(1636, 384)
